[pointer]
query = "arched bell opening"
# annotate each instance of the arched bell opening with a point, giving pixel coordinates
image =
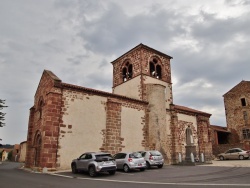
(127, 71)
(155, 68)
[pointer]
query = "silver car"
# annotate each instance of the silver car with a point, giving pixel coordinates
(153, 158)
(130, 160)
(93, 163)
(234, 153)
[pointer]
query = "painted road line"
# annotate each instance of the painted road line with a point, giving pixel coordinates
(154, 183)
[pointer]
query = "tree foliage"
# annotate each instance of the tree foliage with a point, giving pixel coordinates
(10, 155)
(2, 105)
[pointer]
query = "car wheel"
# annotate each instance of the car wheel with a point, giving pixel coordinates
(92, 172)
(126, 168)
(142, 169)
(241, 157)
(74, 169)
(221, 158)
(148, 165)
(112, 172)
(160, 166)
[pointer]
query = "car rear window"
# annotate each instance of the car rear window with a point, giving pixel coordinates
(155, 153)
(104, 157)
(135, 155)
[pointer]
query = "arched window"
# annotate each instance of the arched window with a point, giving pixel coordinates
(40, 107)
(155, 69)
(37, 146)
(127, 71)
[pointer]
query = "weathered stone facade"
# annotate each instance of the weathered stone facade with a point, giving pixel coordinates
(67, 120)
(237, 109)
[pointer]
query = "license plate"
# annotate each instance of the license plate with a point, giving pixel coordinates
(108, 162)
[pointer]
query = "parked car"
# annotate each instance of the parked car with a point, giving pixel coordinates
(153, 158)
(234, 153)
(130, 160)
(94, 163)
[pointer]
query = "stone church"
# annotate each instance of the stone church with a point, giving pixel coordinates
(67, 120)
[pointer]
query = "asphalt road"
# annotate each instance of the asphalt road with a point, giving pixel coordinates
(169, 176)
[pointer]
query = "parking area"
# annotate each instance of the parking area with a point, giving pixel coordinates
(229, 171)
(230, 163)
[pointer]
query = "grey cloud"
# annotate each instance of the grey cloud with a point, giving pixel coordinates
(114, 31)
(237, 2)
(219, 30)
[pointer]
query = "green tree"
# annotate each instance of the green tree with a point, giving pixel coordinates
(2, 105)
(10, 155)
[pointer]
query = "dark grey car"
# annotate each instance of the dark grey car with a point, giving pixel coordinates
(130, 160)
(93, 163)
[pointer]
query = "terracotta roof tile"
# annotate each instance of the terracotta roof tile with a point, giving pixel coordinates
(103, 93)
(219, 128)
(184, 108)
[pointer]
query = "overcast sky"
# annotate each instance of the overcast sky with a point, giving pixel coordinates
(77, 39)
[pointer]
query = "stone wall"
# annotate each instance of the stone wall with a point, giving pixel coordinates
(221, 148)
(98, 121)
(44, 123)
(235, 110)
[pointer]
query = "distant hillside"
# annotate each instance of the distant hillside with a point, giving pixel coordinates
(6, 146)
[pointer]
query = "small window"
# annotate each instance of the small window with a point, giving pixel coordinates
(40, 109)
(245, 115)
(246, 134)
(243, 101)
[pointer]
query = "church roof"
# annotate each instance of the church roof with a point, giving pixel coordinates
(190, 110)
(243, 83)
(145, 47)
(102, 93)
(51, 75)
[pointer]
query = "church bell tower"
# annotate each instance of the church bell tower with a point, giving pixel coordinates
(144, 73)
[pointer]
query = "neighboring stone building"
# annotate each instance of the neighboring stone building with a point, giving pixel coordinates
(23, 146)
(5, 153)
(67, 120)
(16, 152)
(237, 109)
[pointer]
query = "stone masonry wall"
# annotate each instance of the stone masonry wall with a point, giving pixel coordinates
(113, 140)
(29, 159)
(235, 110)
(204, 137)
(51, 130)
(44, 119)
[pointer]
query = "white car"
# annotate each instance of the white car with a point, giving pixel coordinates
(234, 153)
(153, 158)
(94, 163)
(130, 160)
